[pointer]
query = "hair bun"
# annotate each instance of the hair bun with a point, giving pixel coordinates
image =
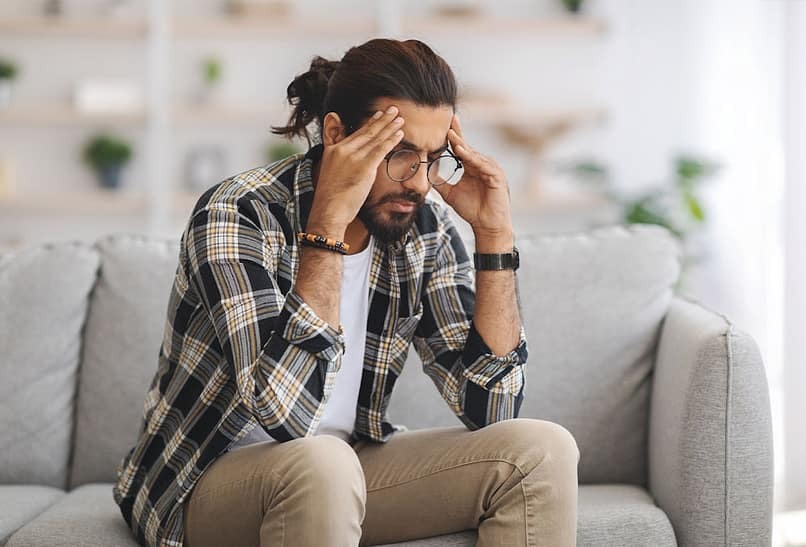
(309, 89)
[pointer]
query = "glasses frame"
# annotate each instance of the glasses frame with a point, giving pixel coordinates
(447, 154)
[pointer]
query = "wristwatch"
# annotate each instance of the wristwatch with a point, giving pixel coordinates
(502, 261)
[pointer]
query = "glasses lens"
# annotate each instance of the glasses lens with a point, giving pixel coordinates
(403, 164)
(444, 169)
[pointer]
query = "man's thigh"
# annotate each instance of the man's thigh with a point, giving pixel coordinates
(262, 493)
(437, 481)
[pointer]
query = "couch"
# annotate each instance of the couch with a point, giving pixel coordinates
(667, 399)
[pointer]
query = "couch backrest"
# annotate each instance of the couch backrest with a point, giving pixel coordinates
(44, 293)
(592, 305)
(122, 339)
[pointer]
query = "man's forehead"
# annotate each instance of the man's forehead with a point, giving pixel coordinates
(426, 127)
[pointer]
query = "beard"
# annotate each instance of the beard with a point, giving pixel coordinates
(398, 224)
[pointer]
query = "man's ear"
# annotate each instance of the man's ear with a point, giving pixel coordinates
(333, 130)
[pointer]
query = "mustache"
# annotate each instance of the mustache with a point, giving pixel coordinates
(411, 196)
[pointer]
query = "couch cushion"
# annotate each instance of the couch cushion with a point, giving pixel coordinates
(609, 514)
(121, 343)
(87, 516)
(592, 306)
(19, 504)
(43, 302)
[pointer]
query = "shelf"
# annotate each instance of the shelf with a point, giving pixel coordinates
(482, 112)
(483, 24)
(55, 115)
(80, 202)
(235, 27)
(229, 114)
(497, 114)
(82, 28)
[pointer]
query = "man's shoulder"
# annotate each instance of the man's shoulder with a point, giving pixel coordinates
(272, 184)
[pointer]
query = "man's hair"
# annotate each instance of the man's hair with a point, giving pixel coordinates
(377, 68)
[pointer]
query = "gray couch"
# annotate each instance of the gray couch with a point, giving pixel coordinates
(667, 399)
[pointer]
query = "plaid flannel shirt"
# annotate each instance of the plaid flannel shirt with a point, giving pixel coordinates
(241, 349)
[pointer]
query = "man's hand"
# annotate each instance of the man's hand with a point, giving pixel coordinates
(348, 171)
(481, 197)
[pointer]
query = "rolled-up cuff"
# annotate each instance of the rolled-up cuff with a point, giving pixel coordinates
(308, 331)
(483, 367)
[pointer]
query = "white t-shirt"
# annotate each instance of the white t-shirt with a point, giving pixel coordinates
(338, 417)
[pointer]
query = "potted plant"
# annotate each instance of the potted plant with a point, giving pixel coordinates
(674, 204)
(107, 155)
(8, 71)
(211, 72)
(573, 6)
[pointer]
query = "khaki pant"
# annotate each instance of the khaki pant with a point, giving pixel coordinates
(515, 481)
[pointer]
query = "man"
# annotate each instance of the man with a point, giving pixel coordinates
(299, 289)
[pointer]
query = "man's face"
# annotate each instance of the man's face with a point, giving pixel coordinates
(391, 206)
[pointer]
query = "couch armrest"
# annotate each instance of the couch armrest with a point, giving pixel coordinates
(710, 433)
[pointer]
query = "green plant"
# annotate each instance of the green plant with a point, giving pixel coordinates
(8, 70)
(106, 151)
(280, 150)
(212, 69)
(673, 204)
(574, 6)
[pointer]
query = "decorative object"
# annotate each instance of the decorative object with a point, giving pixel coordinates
(573, 6)
(53, 8)
(107, 155)
(102, 95)
(204, 166)
(268, 9)
(459, 9)
(8, 72)
(211, 72)
(280, 150)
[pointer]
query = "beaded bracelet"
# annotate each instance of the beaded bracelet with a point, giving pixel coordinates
(322, 242)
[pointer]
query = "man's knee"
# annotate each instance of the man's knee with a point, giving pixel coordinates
(326, 463)
(541, 441)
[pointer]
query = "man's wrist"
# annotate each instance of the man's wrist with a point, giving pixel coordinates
(494, 242)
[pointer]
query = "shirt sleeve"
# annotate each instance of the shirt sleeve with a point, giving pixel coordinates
(480, 387)
(283, 356)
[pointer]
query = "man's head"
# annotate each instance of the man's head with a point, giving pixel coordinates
(340, 96)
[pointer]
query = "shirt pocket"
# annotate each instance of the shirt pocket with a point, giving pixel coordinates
(404, 332)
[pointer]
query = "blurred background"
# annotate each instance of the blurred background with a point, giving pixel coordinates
(115, 115)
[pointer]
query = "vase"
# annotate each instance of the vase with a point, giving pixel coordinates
(110, 176)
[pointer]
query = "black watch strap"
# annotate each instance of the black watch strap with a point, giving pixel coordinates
(497, 261)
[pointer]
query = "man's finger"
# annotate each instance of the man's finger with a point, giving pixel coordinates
(372, 128)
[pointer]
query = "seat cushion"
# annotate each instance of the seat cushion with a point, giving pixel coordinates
(609, 514)
(121, 343)
(19, 504)
(86, 516)
(44, 292)
(592, 305)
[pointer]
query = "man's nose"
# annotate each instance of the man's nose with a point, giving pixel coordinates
(419, 182)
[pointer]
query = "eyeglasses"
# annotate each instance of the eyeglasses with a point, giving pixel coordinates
(401, 165)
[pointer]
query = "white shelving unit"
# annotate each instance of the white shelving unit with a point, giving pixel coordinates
(161, 204)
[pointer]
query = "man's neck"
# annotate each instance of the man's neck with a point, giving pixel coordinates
(356, 234)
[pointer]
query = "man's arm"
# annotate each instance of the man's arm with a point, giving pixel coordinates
(496, 312)
(479, 385)
(282, 353)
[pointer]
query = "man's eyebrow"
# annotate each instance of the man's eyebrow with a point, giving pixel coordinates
(411, 146)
